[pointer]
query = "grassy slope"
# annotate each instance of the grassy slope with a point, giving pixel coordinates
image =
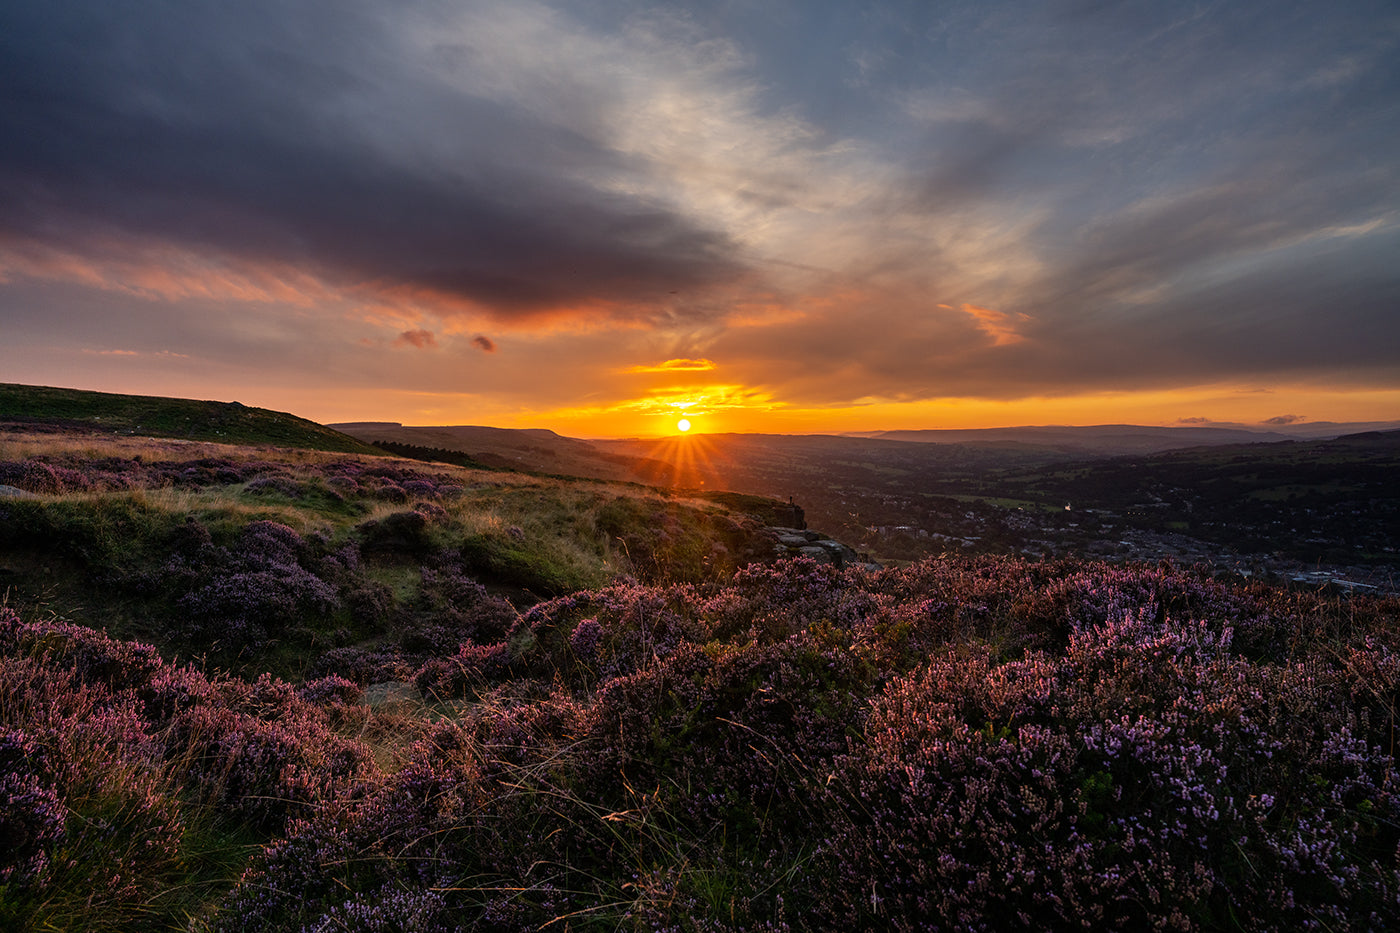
(779, 748)
(114, 513)
(225, 422)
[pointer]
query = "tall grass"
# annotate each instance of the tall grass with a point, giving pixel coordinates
(957, 744)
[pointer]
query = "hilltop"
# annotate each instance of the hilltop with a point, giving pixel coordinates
(319, 550)
(529, 449)
(31, 407)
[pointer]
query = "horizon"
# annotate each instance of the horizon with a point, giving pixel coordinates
(1292, 427)
(761, 218)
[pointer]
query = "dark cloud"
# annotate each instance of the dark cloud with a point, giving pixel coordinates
(1284, 419)
(422, 339)
(253, 132)
(1318, 311)
(891, 200)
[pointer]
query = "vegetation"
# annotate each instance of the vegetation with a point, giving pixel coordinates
(247, 689)
(261, 559)
(226, 422)
(431, 454)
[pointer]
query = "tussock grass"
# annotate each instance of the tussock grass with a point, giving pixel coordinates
(316, 566)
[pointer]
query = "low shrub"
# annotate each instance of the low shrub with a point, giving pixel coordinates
(959, 744)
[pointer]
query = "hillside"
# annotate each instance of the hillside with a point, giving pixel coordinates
(258, 688)
(152, 416)
(1286, 508)
(533, 450)
(137, 533)
(1105, 440)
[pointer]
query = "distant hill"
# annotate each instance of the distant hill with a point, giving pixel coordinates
(532, 449)
(768, 464)
(154, 416)
(764, 463)
(1113, 439)
(1103, 440)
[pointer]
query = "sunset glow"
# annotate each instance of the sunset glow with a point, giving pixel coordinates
(954, 222)
(683, 425)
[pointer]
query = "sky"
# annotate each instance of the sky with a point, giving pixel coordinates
(784, 216)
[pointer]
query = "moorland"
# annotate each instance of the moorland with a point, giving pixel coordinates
(283, 683)
(1266, 505)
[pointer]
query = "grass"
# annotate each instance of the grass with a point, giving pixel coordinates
(664, 743)
(223, 422)
(530, 536)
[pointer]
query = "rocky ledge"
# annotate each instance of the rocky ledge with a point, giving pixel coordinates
(802, 542)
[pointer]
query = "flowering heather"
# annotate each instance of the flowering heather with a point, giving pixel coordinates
(987, 743)
(274, 486)
(331, 690)
(265, 772)
(363, 666)
(56, 475)
(85, 806)
(259, 586)
(33, 816)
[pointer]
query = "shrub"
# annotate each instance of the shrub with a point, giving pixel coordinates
(33, 818)
(92, 830)
(260, 586)
(399, 532)
(284, 486)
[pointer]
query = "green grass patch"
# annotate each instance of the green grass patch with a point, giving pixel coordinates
(224, 422)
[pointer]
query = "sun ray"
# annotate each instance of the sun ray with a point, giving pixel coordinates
(687, 461)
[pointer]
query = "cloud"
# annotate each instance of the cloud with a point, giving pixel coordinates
(700, 400)
(998, 325)
(422, 339)
(484, 344)
(338, 140)
(894, 202)
(147, 354)
(1285, 419)
(675, 366)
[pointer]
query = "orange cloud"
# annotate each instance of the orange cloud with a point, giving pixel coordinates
(676, 366)
(699, 400)
(998, 325)
(162, 271)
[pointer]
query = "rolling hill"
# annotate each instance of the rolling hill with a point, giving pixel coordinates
(154, 416)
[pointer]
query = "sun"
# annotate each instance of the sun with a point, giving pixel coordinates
(683, 425)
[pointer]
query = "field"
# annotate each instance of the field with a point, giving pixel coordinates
(260, 688)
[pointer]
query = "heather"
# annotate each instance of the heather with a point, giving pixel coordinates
(958, 744)
(262, 559)
(262, 689)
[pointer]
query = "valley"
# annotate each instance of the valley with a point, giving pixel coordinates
(1311, 510)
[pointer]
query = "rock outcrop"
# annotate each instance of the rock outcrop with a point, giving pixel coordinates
(803, 542)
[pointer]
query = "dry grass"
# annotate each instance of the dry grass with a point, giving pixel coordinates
(20, 446)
